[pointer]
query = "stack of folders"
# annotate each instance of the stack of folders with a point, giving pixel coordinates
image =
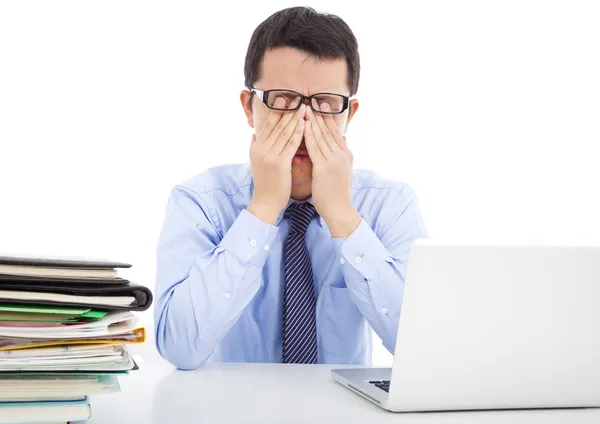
(64, 327)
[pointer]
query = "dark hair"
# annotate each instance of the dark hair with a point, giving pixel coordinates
(323, 35)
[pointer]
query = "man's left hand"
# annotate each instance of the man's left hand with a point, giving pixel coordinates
(332, 173)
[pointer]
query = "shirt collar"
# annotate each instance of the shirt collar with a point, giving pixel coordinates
(290, 201)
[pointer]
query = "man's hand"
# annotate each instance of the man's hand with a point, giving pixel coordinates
(332, 173)
(271, 155)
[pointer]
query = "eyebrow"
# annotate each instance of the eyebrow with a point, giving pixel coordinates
(324, 91)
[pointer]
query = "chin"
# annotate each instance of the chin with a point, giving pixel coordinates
(302, 174)
(300, 183)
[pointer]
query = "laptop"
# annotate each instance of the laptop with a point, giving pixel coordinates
(492, 327)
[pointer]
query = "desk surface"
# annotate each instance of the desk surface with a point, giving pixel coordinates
(272, 393)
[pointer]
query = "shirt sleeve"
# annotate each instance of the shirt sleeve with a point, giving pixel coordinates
(374, 265)
(204, 280)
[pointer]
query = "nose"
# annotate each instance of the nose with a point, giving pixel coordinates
(307, 103)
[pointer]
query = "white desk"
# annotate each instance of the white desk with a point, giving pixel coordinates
(271, 393)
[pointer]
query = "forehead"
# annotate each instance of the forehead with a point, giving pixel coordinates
(289, 68)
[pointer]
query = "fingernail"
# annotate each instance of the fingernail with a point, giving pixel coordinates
(325, 107)
(280, 102)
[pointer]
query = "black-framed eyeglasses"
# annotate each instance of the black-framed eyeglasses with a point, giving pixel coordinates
(337, 102)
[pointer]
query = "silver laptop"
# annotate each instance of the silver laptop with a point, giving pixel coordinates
(492, 327)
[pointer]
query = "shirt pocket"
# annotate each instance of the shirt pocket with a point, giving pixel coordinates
(345, 327)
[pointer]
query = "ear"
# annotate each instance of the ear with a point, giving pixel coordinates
(246, 99)
(352, 109)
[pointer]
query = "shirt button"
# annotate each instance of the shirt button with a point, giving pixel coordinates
(342, 261)
(384, 311)
(358, 259)
(227, 295)
(252, 243)
(266, 247)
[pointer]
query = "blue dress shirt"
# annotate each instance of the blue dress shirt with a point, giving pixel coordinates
(220, 276)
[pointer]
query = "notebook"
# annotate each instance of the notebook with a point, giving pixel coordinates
(24, 387)
(135, 336)
(41, 297)
(57, 281)
(113, 323)
(55, 272)
(39, 412)
(94, 358)
(61, 261)
(43, 309)
(48, 317)
(65, 267)
(133, 297)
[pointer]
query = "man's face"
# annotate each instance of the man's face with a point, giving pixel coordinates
(291, 69)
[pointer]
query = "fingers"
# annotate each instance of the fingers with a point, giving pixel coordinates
(314, 152)
(327, 135)
(273, 122)
(290, 149)
(318, 135)
(332, 126)
(277, 134)
(282, 140)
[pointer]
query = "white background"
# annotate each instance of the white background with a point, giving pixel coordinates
(490, 110)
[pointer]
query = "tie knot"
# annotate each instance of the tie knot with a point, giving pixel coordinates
(300, 215)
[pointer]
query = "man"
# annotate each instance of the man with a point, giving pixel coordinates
(294, 257)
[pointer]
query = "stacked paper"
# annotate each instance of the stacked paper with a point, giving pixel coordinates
(64, 329)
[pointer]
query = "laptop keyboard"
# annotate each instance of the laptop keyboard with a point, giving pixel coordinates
(382, 384)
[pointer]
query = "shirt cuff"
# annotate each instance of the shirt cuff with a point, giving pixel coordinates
(362, 250)
(249, 239)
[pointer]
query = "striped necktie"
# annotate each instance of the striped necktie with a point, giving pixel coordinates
(299, 316)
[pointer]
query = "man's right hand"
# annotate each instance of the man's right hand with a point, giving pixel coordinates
(271, 155)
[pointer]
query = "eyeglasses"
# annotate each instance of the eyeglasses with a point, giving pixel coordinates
(337, 103)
